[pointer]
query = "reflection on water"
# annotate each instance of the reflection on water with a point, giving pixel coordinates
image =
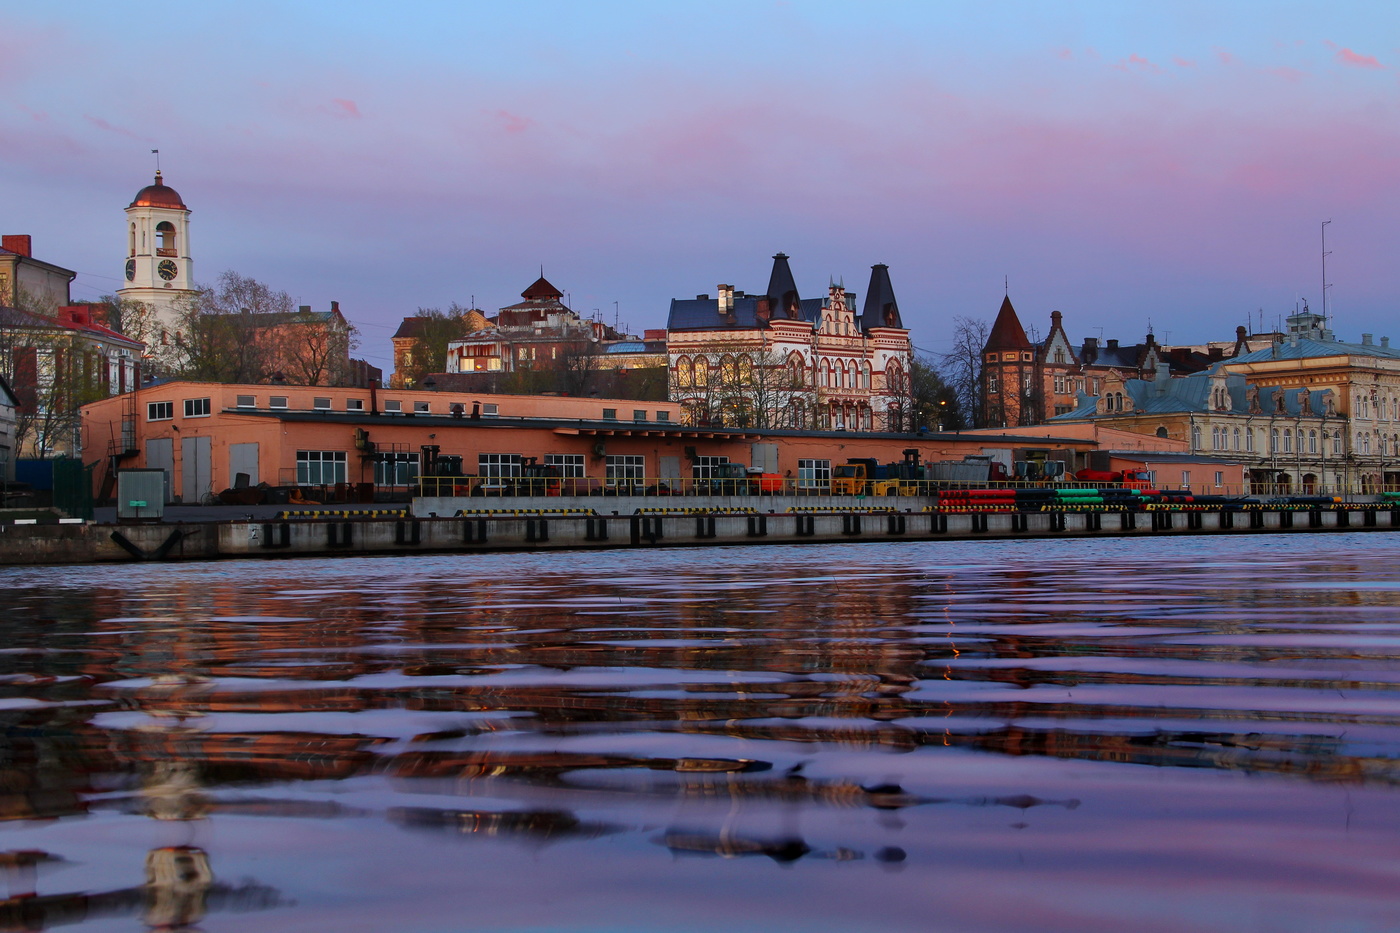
(1085, 735)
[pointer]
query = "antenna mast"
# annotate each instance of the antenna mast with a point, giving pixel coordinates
(1325, 286)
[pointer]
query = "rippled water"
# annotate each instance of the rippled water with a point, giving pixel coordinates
(1194, 734)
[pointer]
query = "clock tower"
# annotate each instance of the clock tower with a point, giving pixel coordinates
(159, 271)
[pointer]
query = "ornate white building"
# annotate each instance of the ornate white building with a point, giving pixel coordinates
(778, 360)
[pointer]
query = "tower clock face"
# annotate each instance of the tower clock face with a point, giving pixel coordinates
(167, 269)
(130, 269)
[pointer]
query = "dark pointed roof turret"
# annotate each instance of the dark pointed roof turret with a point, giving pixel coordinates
(881, 309)
(1007, 332)
(782, 294)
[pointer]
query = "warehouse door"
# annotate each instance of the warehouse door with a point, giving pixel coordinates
(160, 455)
(242, 458)
(195, 463)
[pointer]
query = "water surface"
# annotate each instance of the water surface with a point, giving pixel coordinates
(1193, 734)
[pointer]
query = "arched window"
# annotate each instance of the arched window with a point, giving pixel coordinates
(1312, 442)
(865, 375)
(1237, 438)
(166, 231)
(1273, 441)
(1214, 438)
(1249, 440)
(1162, 431)
(894, 380)
(826, 374)
(1288, 440)
(727, 370)
(1195, 437)
(745, 369)
(132, 242)
(797, 372)
(1366, 444)
(702, 371)
(1059, 355)
(685, 374)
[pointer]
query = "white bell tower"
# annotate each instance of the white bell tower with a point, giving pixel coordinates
(159, 271)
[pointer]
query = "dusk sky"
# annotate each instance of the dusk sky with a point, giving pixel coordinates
(1120, 162)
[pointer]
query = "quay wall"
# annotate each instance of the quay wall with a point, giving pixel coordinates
(338, 535)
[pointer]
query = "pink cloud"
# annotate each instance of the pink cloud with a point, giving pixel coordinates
(512, 123)
(1184, 62)
(36, 115)
(1138, 62)
(1225, 57)
(1288, 74)
(346, 108)
(102, 124)
(1065, 54)
(1357, 60)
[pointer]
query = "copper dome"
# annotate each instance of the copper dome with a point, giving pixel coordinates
(158, 195)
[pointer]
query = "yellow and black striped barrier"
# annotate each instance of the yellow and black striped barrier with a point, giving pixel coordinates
(529, 513)
(340, 513)
(735, 510)
(839, 510)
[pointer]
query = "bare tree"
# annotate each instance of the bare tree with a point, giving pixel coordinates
(53, 373)
(961, 367)
(742, 385)
(924, 400)
(314, 352)
(436, 329)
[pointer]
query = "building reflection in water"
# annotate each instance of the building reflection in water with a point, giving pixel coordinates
(206, 694)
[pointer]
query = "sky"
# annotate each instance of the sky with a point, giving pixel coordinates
(1132, 165)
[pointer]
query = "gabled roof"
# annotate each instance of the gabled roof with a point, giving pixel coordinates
(1007, 332)
(881, 309)
(1192, 394)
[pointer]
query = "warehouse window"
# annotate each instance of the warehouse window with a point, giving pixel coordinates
(319, 467)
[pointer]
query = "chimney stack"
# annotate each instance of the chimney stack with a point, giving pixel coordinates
(18, 243)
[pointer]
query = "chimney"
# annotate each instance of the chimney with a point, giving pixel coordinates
(702, 297)
(1385, 343)
(1365, 340)
(17, 243)
(335, 306)
(1164, 375)
(304, 309)
(1216, 353)
(1113, 344)
(726, 300)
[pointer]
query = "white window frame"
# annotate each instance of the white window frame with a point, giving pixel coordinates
(704, 467)
(396, 469)
(813, 474)
(193, 407)
(277, 401)
(393, 406)
(321, 403)
(247, 401)
(422, 408)
(625, 469)
(354, 404)
(160, 411)
(571, 466)
(321, 467)
(499, 466)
